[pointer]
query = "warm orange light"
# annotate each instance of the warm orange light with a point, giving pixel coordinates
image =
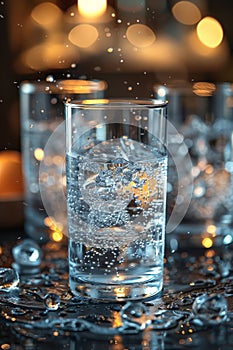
(50, 54)
(140, 35)
(81, 86)
(210, 253)
(209, 169)
(207, 242)
(210, 32)
(46, 14)
(92, 8)
(95, 101)
(57, 236)
(204, 89)
(120, 292)
(11, 177)
(39, 154)
(83, 35)
(211, 229)
(186, 12)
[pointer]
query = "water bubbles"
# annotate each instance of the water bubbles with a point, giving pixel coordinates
(138, 117)
(73, 65)
(52, 301)
(210, 310)
(27, 256)
(9, 279)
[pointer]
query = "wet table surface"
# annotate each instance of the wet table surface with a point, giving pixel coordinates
(195, 309)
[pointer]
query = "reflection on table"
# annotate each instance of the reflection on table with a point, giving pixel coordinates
(194, 310)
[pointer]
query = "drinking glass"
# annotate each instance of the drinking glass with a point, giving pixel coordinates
(203, 114)
(42, 112)
(116, 168)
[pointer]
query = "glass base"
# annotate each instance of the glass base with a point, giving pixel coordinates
(115, 292)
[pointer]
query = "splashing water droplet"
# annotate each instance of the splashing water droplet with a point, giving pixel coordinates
(210, 309)
(52, 301)
(9, 279)
(27, 255)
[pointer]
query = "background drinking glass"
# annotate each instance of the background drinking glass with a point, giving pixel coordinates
(116, 197)
(203, 113)
(41, 111)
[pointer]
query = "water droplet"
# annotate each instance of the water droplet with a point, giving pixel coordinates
(9, 279)
(73, 65)
(166, 319)
(27, 256)
(185, 301)
(52, 301)
(210, 309)
(202, 283)
(18, 311)
(134, 315)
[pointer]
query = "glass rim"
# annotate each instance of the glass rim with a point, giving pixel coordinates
(116, 103)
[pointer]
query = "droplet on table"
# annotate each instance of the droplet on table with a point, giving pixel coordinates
(210, 309)
(166, 319)
(9, 279)
(27, 255)
(52, 301)
(134, 316)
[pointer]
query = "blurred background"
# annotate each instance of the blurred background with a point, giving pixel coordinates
(131, 44)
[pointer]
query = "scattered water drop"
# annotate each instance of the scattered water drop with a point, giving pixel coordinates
(9, 279)
(27, 256)
(134, 315)
(202, 283)
(52, 301)
(166, 319)
(210, 309)
(17, 311)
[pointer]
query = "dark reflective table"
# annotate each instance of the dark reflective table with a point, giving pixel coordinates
(195, 309)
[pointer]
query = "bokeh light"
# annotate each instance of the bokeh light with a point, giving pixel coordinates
(91, 8)
(50, 54)
(39, 154)
(204, 89)
(140, 35)
(83, 35)
(46, 14)
(186, 12)
(210, 32)
(202, 57)
(207, 242)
